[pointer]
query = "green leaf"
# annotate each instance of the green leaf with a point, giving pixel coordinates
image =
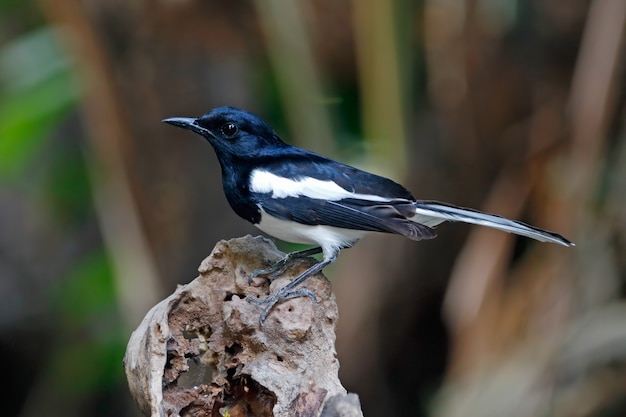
(37, 90)
(88, 290)
(92, 345)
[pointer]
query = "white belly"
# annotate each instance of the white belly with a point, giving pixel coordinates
(329, 238)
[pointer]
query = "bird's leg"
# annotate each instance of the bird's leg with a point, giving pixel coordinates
(281, 266)
(288, 291)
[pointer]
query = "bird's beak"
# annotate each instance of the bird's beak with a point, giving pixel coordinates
(187, 123)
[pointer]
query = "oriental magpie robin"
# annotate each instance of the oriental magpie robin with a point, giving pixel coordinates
(302, 197)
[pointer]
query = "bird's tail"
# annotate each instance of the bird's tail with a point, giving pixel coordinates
(432, 213)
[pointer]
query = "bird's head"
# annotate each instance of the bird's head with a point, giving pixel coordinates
(232, 132)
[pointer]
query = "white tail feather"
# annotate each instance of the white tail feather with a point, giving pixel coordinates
(432, 213)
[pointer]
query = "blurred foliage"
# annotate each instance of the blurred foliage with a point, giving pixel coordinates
(88, 357)
(37, 90)
(39, 94)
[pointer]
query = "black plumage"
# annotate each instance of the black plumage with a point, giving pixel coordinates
(303, 197)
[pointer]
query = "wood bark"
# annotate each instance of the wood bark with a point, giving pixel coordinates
(202, 352)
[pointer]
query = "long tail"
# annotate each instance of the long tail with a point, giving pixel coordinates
(432, 213)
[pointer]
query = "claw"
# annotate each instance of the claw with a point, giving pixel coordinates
(273, 271)
(280, 296)
(289, 291)
(278, 268)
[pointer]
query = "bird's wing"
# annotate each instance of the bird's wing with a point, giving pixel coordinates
(321, 191)
(298, 164)
(351, 213)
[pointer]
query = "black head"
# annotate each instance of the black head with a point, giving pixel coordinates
(232, 132)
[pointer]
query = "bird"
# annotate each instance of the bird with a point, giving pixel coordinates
(299, 196)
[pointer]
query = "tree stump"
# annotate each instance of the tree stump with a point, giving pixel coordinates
(202, 351)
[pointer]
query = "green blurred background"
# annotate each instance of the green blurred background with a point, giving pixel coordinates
(510, 106)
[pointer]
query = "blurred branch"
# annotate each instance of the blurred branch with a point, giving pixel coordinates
(499, 324)
(137, 279)
(486, 316)
(594, 84)
(592, 108)
(290, 49)
(445, 27)
(593, 94)
(484, 258)
(380, 83)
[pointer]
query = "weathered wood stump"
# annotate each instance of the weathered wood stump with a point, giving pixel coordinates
(202, 351)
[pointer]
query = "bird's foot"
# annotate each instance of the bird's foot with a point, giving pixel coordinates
(289, 291)
(273, 272)
(278, 268)
(280, 296)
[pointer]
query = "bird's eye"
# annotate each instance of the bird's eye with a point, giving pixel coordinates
(229, 129)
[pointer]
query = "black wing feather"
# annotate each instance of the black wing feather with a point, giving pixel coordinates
(352, 214)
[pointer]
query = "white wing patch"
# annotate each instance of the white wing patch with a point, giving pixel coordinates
(262, 181)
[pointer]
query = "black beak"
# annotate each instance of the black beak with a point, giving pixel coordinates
(187, 123)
